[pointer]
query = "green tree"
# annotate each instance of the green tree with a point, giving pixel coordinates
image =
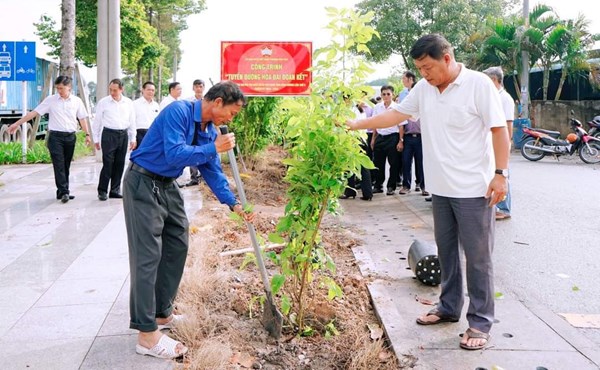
(322, 154)
(572, 52)
(401, 22)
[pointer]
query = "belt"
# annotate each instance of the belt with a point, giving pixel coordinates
(152, 175)
(62, 133)
(413, 135)
(115, 130)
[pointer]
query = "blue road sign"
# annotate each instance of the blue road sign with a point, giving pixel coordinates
(17, 61)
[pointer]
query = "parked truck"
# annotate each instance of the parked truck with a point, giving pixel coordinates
(11, 100)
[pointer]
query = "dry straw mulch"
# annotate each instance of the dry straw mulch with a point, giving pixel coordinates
(223, 328)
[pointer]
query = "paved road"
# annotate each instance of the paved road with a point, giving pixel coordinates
(546, 249)
(549, 252)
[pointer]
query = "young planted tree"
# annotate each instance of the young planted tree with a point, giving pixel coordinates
(256, 126)
(322, 155)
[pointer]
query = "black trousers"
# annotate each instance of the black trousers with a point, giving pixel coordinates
(114, 148)
(157, 235)
(369, 153)
(385, 148)
(365, 180)
(413, 148)
(61, 146)
(139, 136)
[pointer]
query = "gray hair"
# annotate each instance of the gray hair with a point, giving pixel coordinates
(495, 73)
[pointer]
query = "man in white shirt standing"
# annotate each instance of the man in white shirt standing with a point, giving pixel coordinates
(114, 126)
(385, 145)
(146, 110)
(174, 94)
(465, 159)
(64, 110)
(198, 87)
(508, 107)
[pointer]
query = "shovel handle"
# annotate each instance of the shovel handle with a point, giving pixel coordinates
(242, 194)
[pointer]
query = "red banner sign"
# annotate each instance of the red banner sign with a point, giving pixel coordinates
(268, 68)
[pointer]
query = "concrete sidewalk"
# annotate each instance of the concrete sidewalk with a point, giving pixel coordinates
(523, 337)
(64, 274)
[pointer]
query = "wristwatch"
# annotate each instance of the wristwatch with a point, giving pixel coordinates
(503, 172)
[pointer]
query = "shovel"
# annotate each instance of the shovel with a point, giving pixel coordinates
(272, 318)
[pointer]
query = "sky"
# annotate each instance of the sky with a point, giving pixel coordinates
(239, 20)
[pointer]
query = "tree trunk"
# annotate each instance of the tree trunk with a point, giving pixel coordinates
(563, 77)
(67, 39)
(546, 80)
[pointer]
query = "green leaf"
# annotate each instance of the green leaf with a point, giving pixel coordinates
(575, 288)
(499, 295)
(276, 238)
(277, 282)
(286, 304)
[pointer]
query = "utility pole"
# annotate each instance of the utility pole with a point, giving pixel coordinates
(525, 67)
(109, 45)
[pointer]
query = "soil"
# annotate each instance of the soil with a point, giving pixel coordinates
(223, 328)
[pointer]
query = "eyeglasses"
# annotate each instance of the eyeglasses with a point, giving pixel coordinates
(386, 94)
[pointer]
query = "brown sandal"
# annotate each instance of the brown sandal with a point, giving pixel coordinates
(475, 335)
(442, 318)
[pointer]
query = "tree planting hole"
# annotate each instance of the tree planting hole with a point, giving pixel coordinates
(402, 258)
(507, 335)
(408, 268)
(385, 236)
(388, 240)
(541, 368)
(481, 368)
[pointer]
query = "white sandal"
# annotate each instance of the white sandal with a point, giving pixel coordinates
(176, 320)
(165, 348)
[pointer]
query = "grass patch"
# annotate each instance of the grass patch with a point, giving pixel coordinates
(10, 153)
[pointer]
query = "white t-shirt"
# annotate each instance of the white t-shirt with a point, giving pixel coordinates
(458, 156)
(508, 105)
(145, 112)
(63, 112)
(380, 108)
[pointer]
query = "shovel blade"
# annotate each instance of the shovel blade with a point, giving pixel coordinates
(272, 318)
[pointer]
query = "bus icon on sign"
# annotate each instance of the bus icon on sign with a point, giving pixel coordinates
(5, 59)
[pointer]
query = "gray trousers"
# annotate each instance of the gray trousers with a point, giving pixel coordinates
(157, 234)
(466, 222)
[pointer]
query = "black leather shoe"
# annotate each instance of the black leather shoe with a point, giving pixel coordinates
(102, 196)
(65, 198)
(192, 183)
(377, 190)
(428, 199)
(115, 195)
(71, 197)
(390, 191)
(366, 198)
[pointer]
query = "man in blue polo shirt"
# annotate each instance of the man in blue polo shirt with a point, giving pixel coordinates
(184, 134)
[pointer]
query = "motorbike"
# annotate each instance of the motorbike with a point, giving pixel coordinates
(538, 143)
(594, 125)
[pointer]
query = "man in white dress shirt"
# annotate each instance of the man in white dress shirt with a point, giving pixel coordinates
(146, 110)
(198, 86)
(114, 126)
(64, 110)
(174, 94)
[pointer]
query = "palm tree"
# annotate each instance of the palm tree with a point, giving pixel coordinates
(543, 27)
(572, 52)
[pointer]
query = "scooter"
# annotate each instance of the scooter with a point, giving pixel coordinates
(537, 143)
(594, 125)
